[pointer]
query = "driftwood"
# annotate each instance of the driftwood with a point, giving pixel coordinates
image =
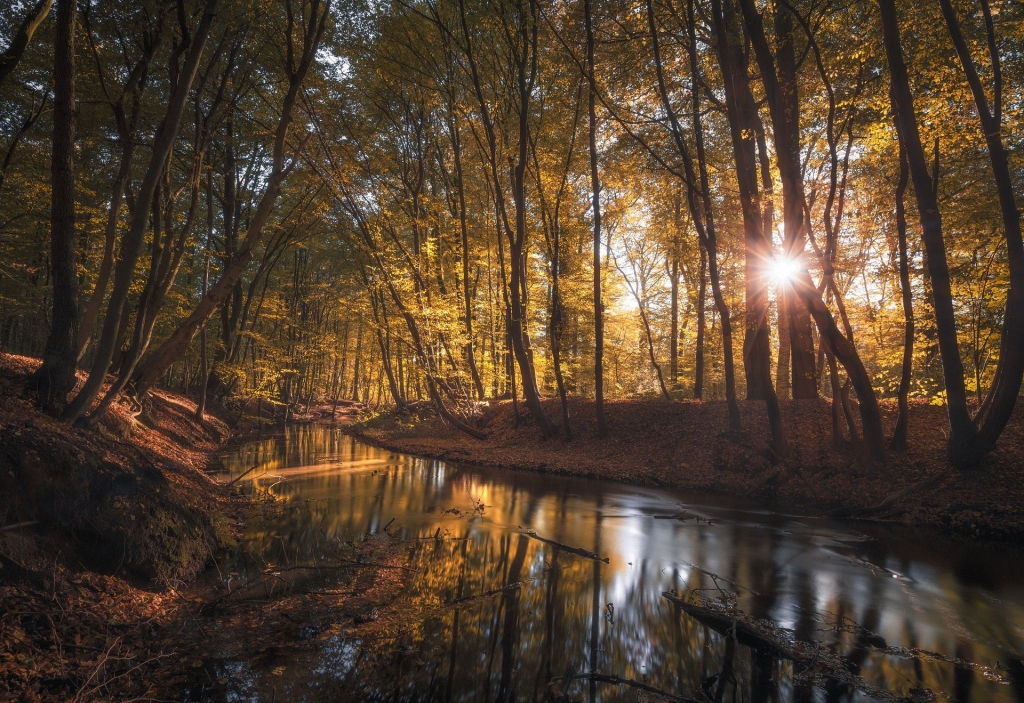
(486, 594)
(565, 547)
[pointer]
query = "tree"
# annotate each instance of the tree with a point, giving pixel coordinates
(131, 241)
(56, 377)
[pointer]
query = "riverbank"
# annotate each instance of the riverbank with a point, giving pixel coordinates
(99, 530)
(108, 542)
(685, 445)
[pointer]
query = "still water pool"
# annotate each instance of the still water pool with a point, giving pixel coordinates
(951, 613)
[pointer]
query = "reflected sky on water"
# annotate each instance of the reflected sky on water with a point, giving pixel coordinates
(915, 588)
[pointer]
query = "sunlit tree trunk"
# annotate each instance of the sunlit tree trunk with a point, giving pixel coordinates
(699, 196)
(524, 70)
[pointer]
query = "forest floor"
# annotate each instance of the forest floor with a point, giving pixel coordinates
(686, 445)
(107, 537)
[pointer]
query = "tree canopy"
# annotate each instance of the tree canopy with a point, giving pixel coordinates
(287, 202)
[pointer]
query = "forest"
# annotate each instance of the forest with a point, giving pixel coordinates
(767, 249)
(454, 202)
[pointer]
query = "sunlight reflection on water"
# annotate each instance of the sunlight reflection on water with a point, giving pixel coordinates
(914, 588)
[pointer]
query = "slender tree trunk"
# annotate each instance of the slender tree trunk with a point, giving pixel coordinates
(673, 327)
(995, 411)
(899, 435)
(56, 377)
(699, 199)
(525, 71)
(383, 341)
(962, 430)
(356, 363)
(204, 373)
(702, 286)
(464, 231)
(595, 189)
(92, 308)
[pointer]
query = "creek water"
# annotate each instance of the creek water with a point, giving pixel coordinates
(951, 612)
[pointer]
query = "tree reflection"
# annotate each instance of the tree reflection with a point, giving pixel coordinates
(814, 577)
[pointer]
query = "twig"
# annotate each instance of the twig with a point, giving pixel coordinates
(15, 526)
(243, 475)
(565, 547)
(343, 565)
(486, 594)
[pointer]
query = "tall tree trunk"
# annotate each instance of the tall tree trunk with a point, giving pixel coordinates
(56, 377)
(962, 430)
(673, 327)
(467, 291)
(384, 342)
(204, 359)
(356, 369)
(525, 71)
(126, 123)
(131, 242)
(702, 286)
(699, 198)
(595, 189)
(92, 308)
(899, 435)
(742, 115)
(995, 411)
(779, 76)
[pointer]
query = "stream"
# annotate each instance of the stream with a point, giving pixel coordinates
(951, 612)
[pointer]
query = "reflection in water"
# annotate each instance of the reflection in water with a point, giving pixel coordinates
(574, 615)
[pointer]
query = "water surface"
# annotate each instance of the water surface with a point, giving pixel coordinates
(915, 588)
